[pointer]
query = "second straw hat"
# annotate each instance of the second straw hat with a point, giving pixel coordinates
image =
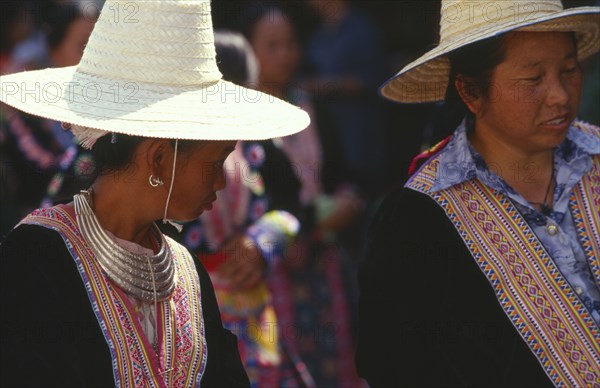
(464, 22)
(149, 69)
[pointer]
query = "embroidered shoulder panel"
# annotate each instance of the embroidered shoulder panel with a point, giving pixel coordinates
(181, 359)
(533, 293)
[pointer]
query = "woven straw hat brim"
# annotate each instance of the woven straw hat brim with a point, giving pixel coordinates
(218, 110)
(426, 79)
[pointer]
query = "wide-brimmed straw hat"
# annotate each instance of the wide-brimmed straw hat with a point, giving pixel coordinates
(149, 69)
(464, 22)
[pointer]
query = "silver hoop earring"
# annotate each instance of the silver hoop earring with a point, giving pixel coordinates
(155, 182)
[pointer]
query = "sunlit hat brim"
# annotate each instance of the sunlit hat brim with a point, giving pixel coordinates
(215, 111)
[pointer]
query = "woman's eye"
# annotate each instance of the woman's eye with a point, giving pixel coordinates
(570, 70)
(533, 79)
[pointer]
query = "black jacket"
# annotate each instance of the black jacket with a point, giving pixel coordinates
(428, 316)
(50, 335)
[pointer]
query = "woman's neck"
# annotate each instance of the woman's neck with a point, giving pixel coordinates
(528, 173)
(122, 212)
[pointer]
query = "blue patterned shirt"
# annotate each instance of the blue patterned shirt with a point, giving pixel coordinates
(460, 162)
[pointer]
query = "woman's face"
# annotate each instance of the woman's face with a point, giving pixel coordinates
(276, 48)
(198, 176)
(535, 92)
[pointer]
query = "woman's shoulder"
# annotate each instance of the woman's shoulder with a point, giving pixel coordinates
(27, 235)
(38, 260)
(404, 203)
(410, 223)
(22, 247)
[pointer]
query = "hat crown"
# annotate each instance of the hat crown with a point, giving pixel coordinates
(463, 18)
(168, 42)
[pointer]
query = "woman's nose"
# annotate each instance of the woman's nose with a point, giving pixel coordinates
(557, 93)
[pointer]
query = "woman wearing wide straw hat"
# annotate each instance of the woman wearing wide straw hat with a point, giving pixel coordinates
(485, 267)
(93, 293)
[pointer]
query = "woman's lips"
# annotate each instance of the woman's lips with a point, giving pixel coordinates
(558, 123)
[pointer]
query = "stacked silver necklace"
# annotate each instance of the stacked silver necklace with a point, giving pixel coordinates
(148, 278)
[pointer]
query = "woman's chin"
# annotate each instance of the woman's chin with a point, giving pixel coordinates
(185, 219)
(201, 209)
(194, 214)
(556, 140)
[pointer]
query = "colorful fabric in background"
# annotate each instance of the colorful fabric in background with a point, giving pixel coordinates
(242, 208)
(46, 164)
(31, 154)
(312, 286)
(76, 171)
(312, 310)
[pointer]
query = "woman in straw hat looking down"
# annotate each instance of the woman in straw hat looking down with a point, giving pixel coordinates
(495, 277)
(93, 293)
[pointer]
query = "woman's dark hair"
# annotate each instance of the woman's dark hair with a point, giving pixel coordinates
(112, 157)
(235, 57)
(255, 12)
(476, 63)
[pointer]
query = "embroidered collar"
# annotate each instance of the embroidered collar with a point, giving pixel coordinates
(460, 162)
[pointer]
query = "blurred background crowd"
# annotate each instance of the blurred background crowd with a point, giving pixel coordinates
(328, 57)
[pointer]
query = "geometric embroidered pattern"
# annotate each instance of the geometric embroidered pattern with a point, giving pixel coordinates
(535, 296)
(181, 357)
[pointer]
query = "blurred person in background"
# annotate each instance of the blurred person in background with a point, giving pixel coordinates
(67, 28)
(17, 24)
(344, 66)
(33, 148)
(307, 286)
